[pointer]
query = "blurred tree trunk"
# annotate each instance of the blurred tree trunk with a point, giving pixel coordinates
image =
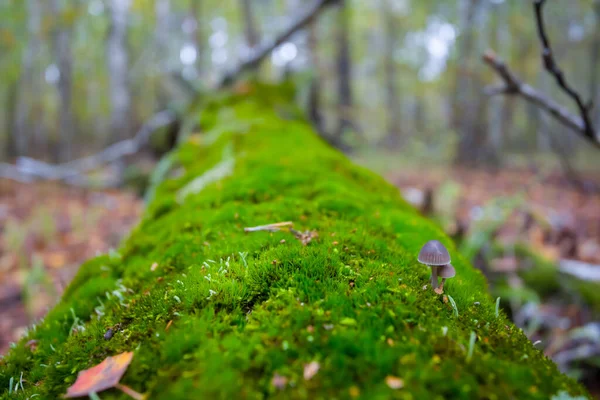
(10, 115)
(118, 66)
(64, 61)
(464, 105)
(595, 67)
(250, 29)
(314, 95)
(162, 12)
(197, 37)
(29, 82)
(391, 92)
(344, 72)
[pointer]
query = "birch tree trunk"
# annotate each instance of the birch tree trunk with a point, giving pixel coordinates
(118, 66)
(29, 82)
(64, 62)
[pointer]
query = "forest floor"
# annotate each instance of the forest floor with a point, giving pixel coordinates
(47, 230)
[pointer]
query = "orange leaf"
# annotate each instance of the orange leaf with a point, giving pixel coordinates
(103, 376)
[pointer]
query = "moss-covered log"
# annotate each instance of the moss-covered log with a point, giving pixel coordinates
(212, 311)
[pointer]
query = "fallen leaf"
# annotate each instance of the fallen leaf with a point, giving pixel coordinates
(394, 382)
(103, 376)
(311, 369)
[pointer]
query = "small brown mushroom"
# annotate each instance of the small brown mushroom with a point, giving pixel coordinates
(445, 272)
(434, 254)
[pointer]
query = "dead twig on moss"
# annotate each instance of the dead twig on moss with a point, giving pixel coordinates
(305, 237)
(275, 227)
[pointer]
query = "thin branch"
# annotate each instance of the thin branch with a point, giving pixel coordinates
(513, 85)
(552, 67)
(28, 169)
(582, 123)
(261, 51)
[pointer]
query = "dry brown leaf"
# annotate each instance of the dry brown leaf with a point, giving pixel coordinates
(103, 376)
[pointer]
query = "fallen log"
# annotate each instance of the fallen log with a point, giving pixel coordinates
(211, 310)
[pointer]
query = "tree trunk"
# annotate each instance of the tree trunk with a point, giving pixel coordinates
(391, 93)
(250, 29)
(240, 327)
(162, 12)
(28, 90)
(314, 96)
(344, 72)
(10, 113)
(64, 61)
(464, 106)
(118, 67)
(595, 68)
(197, 37)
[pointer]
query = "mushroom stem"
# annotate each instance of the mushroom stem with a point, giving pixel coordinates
(442, 284)
(434, 276)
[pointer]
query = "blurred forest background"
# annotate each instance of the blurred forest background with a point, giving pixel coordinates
(397, 84)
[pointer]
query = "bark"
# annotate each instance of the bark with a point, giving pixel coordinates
(197, 37)
(250, 29)
(391, 92)
(10, 113)
(64, 62)
(344, 72)
(314, 96)
(162, 12)
(118, 66)
(595, 68)
(29, 82)
(464, 105)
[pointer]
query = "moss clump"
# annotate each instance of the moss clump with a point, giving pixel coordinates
(213, 312)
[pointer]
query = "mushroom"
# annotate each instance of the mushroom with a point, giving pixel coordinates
(434, 254)
(445, 272)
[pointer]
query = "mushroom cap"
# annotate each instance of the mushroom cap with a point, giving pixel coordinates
(447, 271)
(434, 253)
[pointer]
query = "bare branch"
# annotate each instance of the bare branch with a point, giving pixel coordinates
(28, 169)
(267, 46)
(513, 85)
(552, 67)
(582, 123)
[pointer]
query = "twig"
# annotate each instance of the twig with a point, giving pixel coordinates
(277, 226)
(580, 270)
(513, 85)
(28, 169)
(267, 46)
(552, 67)
(581, 123)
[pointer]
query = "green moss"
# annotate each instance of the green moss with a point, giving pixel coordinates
(246, 306)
